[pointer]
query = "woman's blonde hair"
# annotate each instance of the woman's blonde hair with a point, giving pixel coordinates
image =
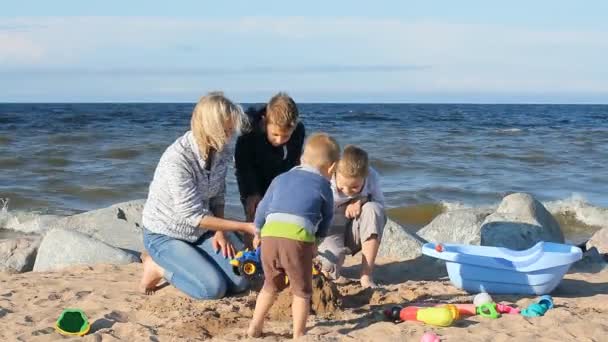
(214, 119)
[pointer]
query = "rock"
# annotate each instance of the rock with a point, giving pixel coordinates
(462, 226)
(520, 222)
(62, 248)
(18, 255)
(592, 261)
(398, 243)
(599, 240)
(118, 225)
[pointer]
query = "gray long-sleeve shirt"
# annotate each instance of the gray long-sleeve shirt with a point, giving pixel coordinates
(183, 190)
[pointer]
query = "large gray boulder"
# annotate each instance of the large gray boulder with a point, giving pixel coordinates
(118, 225)
(18, 255)
(462, 226)
(62, 248)
(398, 243)
(520, 222)
(599, 240)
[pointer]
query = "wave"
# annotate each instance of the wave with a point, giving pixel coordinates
(384, 165)
(5, 140)
(368, 117)
(71, 138)
(529, 157)
(56, 161)
(11, 162)
(16, 223)
(122, 153)
(509, 131)
(578, 208)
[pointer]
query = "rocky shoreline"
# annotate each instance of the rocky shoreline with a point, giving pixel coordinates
(112, 235)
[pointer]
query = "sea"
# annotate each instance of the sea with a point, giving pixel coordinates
(65, 158)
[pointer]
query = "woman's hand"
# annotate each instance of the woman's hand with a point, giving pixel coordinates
(353, 210)
(256, 240)
(221, 243)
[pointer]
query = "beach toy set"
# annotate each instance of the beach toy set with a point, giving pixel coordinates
(537, 270)
(444, 315)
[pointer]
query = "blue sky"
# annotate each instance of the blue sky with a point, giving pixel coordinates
(318, 51)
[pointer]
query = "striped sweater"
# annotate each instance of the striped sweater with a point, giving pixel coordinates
(183, 191)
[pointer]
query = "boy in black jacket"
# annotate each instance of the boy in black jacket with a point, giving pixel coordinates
(273, 146)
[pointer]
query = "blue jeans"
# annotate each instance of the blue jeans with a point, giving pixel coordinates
(195, 268)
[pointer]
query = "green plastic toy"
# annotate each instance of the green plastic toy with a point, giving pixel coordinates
(72, 322)
(488, 310)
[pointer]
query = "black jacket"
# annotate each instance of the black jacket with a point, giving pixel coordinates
(257, 162)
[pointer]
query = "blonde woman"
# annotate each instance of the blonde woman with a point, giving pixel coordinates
(188, 242)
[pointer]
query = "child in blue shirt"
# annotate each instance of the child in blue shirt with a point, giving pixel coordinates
(295, 212)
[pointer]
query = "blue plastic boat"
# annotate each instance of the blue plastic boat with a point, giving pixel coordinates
(537, 270)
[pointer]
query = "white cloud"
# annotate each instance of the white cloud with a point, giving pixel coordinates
(16, 49)
(462, 57)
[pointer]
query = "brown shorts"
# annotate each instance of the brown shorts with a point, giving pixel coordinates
(285, 257)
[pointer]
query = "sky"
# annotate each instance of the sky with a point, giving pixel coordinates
(462, 51)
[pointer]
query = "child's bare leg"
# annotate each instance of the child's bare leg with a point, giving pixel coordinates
(369, 251)
(153, 273)
(263, 304)
(299, 310)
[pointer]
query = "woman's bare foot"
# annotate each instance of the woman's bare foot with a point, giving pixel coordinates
(254, 331)
(152, 275)
(368, 282)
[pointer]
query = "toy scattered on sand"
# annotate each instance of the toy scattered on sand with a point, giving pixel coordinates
(430, 337)
(537, 270)
(482, 298)
(442, 316)
(488, 310)
(72, 322)
(249, 264)
(539, 308)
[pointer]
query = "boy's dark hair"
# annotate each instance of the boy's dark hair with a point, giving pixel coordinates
(282, 111)
(354, 162)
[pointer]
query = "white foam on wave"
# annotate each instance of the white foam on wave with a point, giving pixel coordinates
(581, 209)
(28, 222)
(509, 130)
(451, 206)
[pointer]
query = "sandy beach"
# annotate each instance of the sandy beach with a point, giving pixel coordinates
(31, 302)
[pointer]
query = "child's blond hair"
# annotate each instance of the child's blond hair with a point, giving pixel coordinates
(354, 162)
(282, 111)
(321, 150)
(214, 118)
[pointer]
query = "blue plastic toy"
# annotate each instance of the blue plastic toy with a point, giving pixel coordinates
(247, 263)
(537, 270)
(539, 308)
